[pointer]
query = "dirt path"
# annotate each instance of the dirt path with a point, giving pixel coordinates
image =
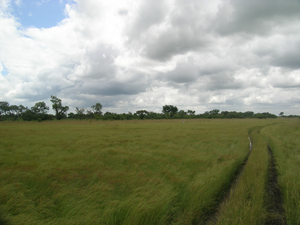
(274, 204)
(275, 201)
(213, 218)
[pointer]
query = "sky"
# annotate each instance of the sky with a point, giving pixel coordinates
(129, 55)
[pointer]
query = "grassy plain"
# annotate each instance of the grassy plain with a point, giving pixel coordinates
(247, 201)
(118, 172)
(284, 140)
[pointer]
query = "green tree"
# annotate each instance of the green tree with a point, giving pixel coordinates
(4, 107)
(14, 110)
(182, 114)
(249, 114)
(214, 112)
(170, 110)
(40, 110)
(71, 115)
(22, 109)
(191, 112)
(109, 116)
(141, 113)
(90, 115)
(60, 111)
(80, 113)
(281, 114)
(97, 109)
(28, 115)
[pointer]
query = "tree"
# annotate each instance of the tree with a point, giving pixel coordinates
(109, 116)
(182, 114)
(14, 111)
(97, 108)
(170, 110)
(22, 109)
(129, 115)
(40, 110)
(28, 115)
(249, 114)
(4, 107)
(141, 113)
(191, 112)
(90, 114)
(80, 112)
(60, 111)
(281, 114)
(214, 112)
(71, 115)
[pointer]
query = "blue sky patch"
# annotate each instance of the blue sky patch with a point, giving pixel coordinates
(4, 71)
(41, 13)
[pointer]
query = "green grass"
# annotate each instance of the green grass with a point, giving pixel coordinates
(131, 172)
(246, 204)
(284, 140)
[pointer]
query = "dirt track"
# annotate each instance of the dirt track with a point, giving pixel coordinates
(214, 215)
(275, 201)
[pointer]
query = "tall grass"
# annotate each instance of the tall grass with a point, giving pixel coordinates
(246, 203)
(131, 172)
(284, 140)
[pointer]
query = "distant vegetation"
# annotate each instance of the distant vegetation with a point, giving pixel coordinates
(40, 110)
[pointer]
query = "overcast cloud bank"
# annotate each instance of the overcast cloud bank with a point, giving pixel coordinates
(129, 55)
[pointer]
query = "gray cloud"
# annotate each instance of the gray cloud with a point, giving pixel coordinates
(173, 42)
(111, 88)
(288, 57)
(98, 61)
(183, 29)
(123, 12)
(255, 17)
(221, 85)
(185, 72)
(234, 54)
(148, 14)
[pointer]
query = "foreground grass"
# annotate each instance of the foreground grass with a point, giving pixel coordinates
(246, 203)
(132, 172)
(284, 140)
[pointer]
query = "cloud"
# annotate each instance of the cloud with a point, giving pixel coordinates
(148, 13)
(128, 55)
(184, 72)
(255, 17)
(173, 28)
(96, 62)
(4, 4)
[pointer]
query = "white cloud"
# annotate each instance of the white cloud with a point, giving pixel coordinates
(4, 5)
(128, 54)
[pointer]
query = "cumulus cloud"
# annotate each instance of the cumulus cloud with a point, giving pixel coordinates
(255, 17)
(177, 29)
(128, 55)
(184, 72)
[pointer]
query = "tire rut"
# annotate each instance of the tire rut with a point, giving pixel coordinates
(213, 217)
(275, 201)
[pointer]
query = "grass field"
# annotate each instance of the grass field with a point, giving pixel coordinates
(120, 172)
(284, 140)
(247, 202)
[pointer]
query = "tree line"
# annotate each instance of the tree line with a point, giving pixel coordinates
(40, 110)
